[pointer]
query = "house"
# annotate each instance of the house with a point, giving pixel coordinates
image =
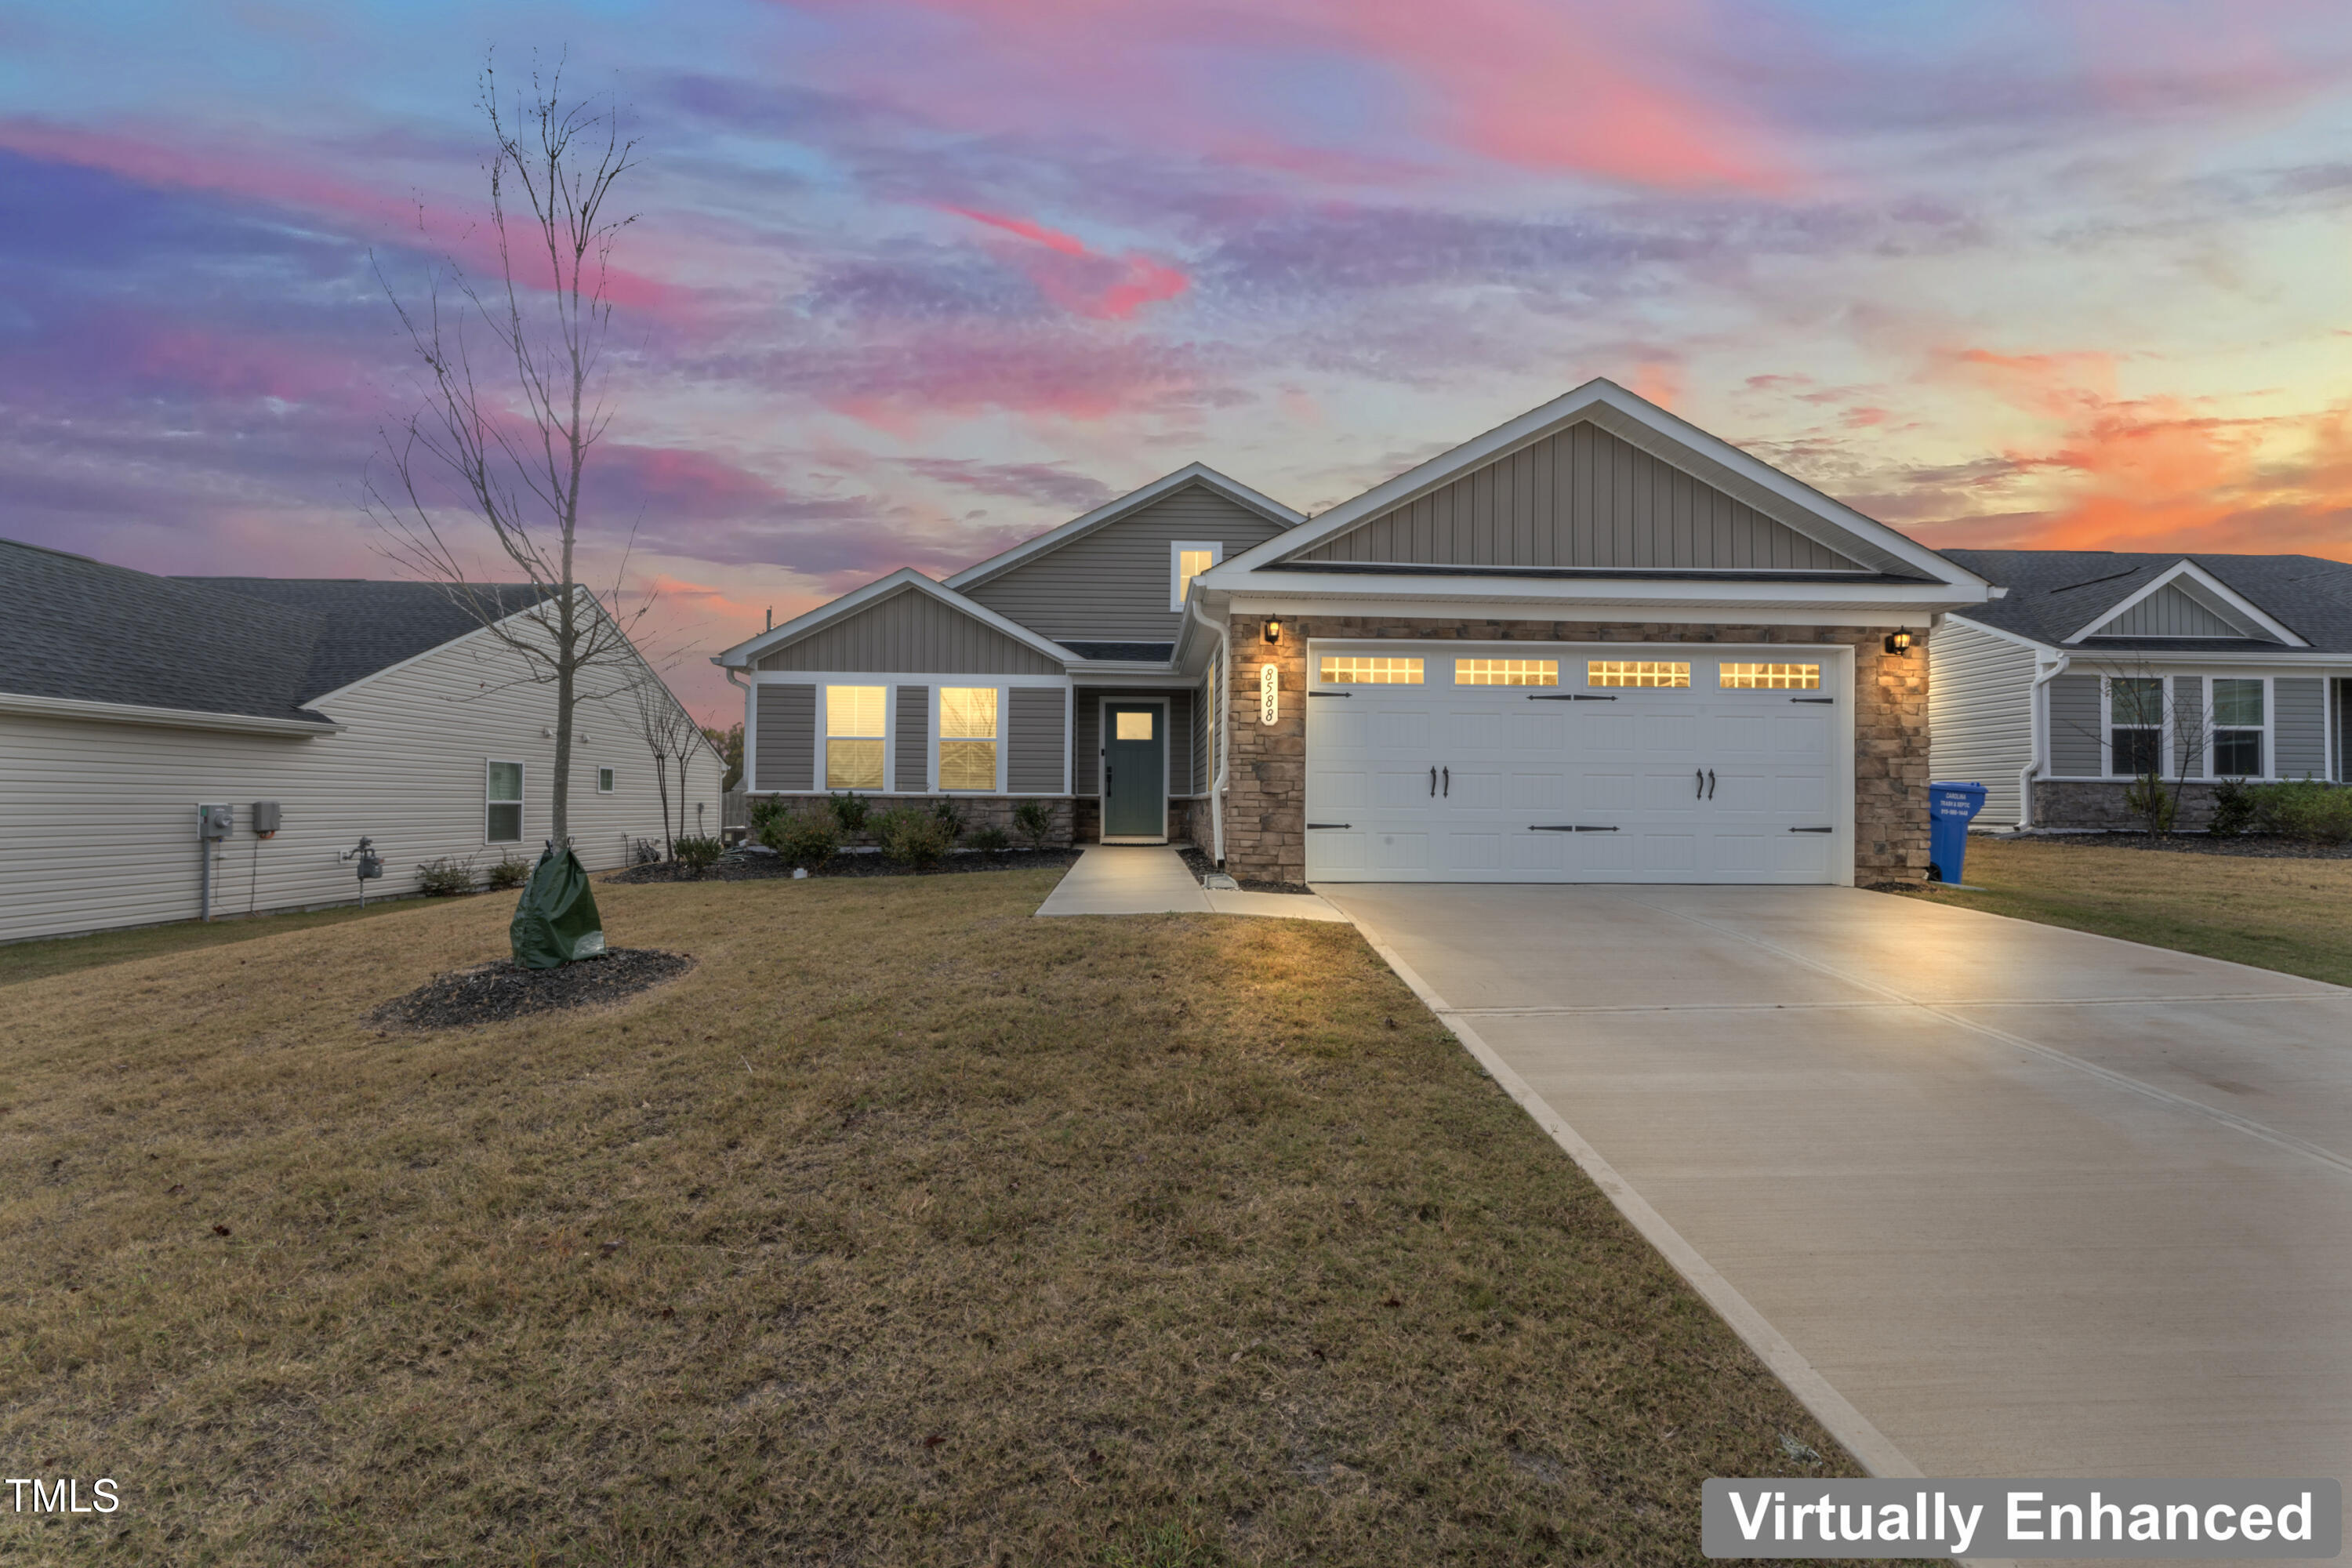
(2097, 666)
(358, 708)
(1594, 644)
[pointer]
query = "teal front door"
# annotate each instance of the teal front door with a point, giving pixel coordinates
(1135, 770)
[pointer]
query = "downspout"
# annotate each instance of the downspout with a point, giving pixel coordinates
(1224, 723)
(746, 781)
(2034, 726)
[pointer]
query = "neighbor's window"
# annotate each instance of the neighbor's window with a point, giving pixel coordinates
(2136, 724)
(2237, 728)
(852, 737)
(968, 737)
(1134, 724)
(1189, 561)
(1507, 672)
(603, 780)
(1769, 676)
(502, 814)
(1355, 669)
(1636, 672)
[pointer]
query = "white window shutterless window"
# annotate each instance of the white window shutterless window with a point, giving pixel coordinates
(502, 802)
(1187, 559)
(603, 780)
(2136, 724)
(968, 737)
(2237, 728)
(854, 731)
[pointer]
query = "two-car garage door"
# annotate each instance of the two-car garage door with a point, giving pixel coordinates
(1617, 764)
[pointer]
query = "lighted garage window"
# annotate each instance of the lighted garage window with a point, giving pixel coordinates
(852, 737)
(968, 737)
(1507, 672)
(1769, 676)
(1356, 669)
(1636, 672)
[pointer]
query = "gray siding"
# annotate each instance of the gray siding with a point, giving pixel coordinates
(784, 736)
(914, 741)
(1087, 775)
(2075, 741)
(2300, 727)
(2189, 736)
(1580, 497)
(911, 633)
(1112, 584)
(2170, 613)
(1034, 766)
(1980, 713)
(1204, 771)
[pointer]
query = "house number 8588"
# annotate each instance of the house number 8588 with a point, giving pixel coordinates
(1269, 694)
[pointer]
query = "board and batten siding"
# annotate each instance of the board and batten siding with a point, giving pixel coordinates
(2299, 730)
(1038, 746)
(99, 824)
(2170, 613)
(2078, 748)
(783, 729)
(908, 632)
(1980, 714)
(1112, 584)
(1580, 497)
(913, 772)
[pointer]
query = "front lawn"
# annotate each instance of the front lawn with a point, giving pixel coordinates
(905, 1228)
(59, 955)
(2292, 915)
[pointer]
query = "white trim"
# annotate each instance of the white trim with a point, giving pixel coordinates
(1442, 598)
(1110, 511)
(521, 802)
(2210, 720)
(2229, 597)
(1102, 766)
(1176, 583)
(157, 718)
(605, 773)
(744, 653)
(2167, 764)
(1567, 410)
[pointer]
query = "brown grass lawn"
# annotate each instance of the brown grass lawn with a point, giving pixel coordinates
(906, 1229)
(33, 960)
(2295, 916)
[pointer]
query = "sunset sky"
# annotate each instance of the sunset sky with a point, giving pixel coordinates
(914, 279)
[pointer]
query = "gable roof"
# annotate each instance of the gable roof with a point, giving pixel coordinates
(744, 654)
(1865, 547)
(1110, 511)
(2062, 597)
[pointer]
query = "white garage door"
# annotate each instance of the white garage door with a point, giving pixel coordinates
(1619, 764)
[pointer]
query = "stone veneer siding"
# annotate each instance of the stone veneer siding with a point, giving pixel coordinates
(1266, 803)
(2088, 803)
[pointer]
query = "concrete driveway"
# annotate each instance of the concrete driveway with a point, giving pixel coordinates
(2002, 1199)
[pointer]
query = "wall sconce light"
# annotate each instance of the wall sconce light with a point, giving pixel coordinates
(1274, 629)
(1899, 641)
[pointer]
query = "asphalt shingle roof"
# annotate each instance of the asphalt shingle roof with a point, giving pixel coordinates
(369, 626)
(2053, 593)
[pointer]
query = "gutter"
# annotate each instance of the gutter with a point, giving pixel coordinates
(2034, 728)
(1224, 741)
(160, 718)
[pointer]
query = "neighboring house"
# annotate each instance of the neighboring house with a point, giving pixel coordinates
(361, 709)
(1593, 644)
(2096, 665)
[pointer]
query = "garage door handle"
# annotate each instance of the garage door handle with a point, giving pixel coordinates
(1565, 828)
(1710, 784)
(1313, 826)
(1433, 784)
(1812, 699)
(1812, 830)
(1449, 783)
(1699, 784)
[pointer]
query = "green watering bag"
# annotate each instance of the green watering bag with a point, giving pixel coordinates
(555, 920)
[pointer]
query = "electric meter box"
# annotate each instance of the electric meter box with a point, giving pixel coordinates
(265, 818)
(215, 821)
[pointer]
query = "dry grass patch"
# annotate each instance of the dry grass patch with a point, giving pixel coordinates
(2291, 915)
(906, 1229)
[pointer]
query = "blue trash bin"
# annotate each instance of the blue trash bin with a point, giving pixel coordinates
(1951, 808)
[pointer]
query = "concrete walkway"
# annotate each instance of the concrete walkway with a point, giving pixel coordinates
(1995, 1198)
(1150, 879)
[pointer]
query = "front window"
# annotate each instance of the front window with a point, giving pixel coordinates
(852, 737)
(603, 780)
(1353, 670)
(2237, 728)
(1733, 677)
(1186, 561)
(2136, 724)
(1636, 672)
(502, 810)
(1507, 672)
(968, 737)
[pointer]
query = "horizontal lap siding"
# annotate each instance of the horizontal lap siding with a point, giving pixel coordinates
(2075, 743)
(784, 729)
(2188, 758)
(1980, 713)
(912, 632)
(1035, 766)
(2300, 726)
(914, 759)
(1112, 585)
(1087, 774)
(1581, 497)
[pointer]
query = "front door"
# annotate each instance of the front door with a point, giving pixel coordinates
(1135, 770)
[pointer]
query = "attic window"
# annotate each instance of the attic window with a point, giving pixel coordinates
(1187, 559)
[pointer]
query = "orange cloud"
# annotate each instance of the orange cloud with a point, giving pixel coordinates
(1082, 281)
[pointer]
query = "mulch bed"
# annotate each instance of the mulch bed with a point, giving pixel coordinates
(494, 992)
(1198, 861)
(760, 867)
(2258, 846)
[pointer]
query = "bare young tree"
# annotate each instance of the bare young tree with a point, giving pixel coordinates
(512, 442)
(671, 734)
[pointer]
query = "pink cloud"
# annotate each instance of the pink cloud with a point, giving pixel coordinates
(1082, 281)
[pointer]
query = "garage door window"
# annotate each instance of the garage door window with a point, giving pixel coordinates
(1352, 669)
(1507, 672)
(1733, 677)
(1636, 672)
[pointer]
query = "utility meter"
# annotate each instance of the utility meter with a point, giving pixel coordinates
(267, 818)
(371, 863)
(215, 821)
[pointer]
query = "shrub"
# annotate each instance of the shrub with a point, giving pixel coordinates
(2306, 809)
(915, 838)
(991, 839)
(952, 813)
(2154, 805)
(1034, 818)
(850, 811)
(645, 852)
(512, 872)
(764, 810)
(698, 852)
(807, 839)
(446, 878)
(2233, 809)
